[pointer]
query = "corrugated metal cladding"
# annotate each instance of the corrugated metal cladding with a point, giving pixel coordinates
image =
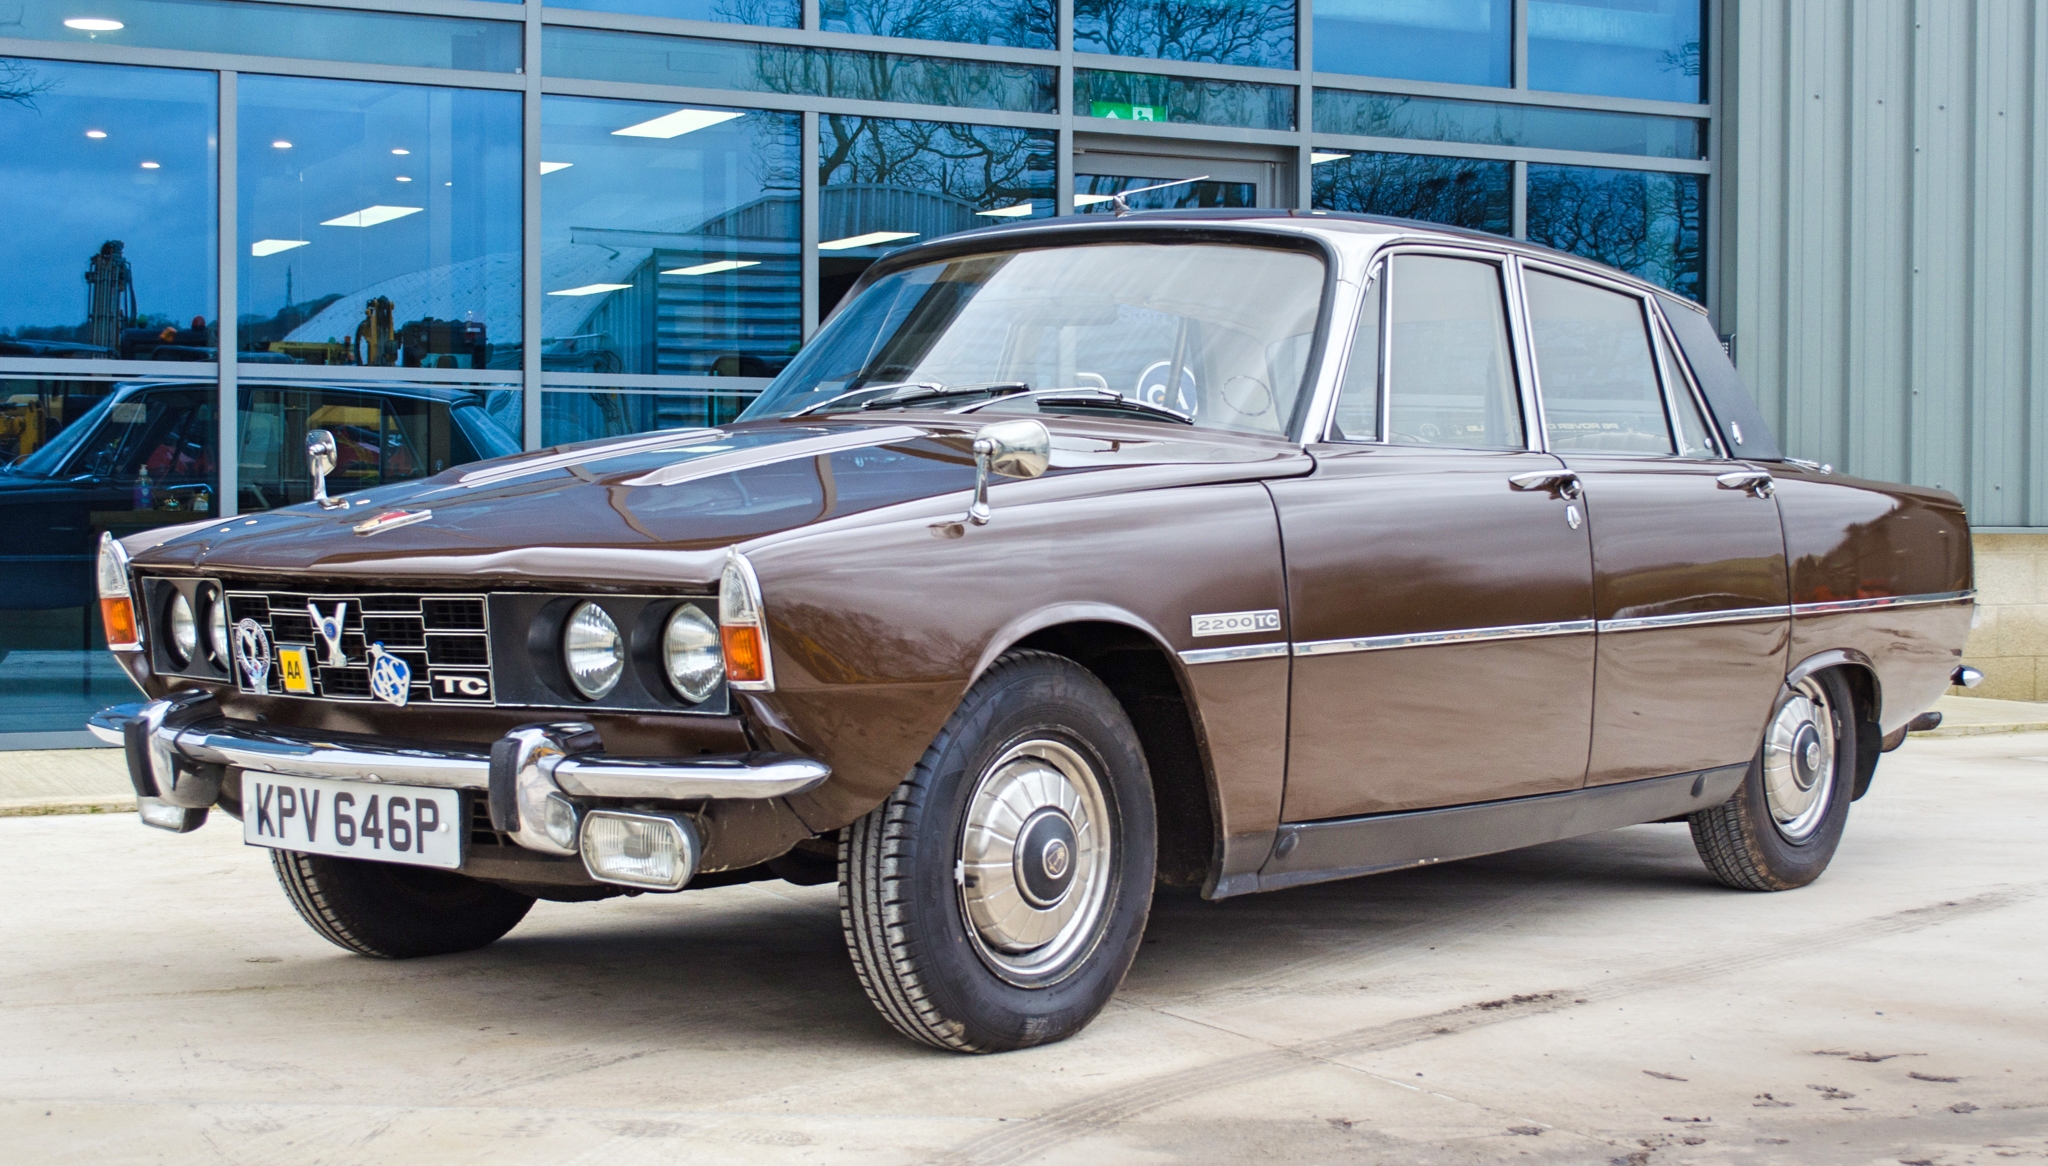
(1885, 171)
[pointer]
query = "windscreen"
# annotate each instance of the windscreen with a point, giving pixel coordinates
(1218, 333)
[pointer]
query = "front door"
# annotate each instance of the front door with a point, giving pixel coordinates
(1438, 574)
(1689, 561)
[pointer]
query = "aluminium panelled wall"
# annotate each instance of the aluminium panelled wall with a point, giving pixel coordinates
(1884, 243)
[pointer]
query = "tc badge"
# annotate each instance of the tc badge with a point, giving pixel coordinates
(390, 676)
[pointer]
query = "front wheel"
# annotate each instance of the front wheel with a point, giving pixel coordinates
(997, 898)
(1781, 828)
(392, 911)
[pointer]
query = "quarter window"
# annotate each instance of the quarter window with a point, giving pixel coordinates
(1358, 401)
(1593, 361)
(1450, 377)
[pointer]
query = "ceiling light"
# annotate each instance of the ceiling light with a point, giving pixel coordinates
(152, 165)
(403, 178)
(370, 216)
(551, 167)
(94, 24)
(867, 240)
(1092, 199)
(262, 247)
(401, 152)
(1318, 157)
(591, 289)
(675, 125)
(95, 133)
(280, 144)
(714, 268)
(1007, 212)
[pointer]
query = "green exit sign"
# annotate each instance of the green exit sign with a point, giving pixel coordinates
(1125, 111)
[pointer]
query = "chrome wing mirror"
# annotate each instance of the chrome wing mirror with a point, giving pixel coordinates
(320, 461)
(1014, 449)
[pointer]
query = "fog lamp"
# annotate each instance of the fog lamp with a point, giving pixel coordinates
(165, 816)
(655, 851)
(560, 823)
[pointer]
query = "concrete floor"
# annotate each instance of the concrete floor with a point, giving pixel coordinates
(1588, 1001)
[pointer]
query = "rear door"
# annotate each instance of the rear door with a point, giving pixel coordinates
(1442, 616)
(1689, 574)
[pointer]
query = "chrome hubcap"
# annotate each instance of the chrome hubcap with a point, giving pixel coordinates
(1799, 762)
(1035, 861)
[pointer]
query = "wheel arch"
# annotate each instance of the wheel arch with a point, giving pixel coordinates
(1146, 679)
(1856, 671)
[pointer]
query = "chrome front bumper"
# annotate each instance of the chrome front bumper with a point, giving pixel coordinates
(538, 777)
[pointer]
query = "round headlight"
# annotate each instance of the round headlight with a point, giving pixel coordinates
(593, 651)
(690, 651)
(184, 630)
(217, 626)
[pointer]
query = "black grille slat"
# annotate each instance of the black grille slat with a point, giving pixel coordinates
(345, 682)
(401, 623)
(394, 631)
(287, 628)
(376, 604)
(453, 615)
(458, 651)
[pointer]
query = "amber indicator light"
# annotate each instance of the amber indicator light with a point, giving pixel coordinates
(743, 657)
(118, 616)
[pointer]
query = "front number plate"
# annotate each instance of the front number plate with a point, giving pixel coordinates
(353, 819)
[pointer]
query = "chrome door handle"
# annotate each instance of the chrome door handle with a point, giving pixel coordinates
(1757, 482)
(1565, 482)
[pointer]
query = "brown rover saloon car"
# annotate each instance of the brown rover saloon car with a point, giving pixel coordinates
(1235, 551)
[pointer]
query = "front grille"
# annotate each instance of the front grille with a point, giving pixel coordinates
(443, 640)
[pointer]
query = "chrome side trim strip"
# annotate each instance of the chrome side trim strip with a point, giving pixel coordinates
(1694, 618)
(1523, 631)
(1882, 601)
(1220, 655)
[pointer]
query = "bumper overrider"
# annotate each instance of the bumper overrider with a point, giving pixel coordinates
(544, 782)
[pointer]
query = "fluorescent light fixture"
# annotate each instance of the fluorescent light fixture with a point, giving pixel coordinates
(1318, 157)
(867, 240)
(675, 125)
(95, 133)
(401, 152)
(403, 178)
(262, 247)
(280, 144)
(370, 216)
(714, 268)
(591, 289)
(1007, 212)
(152, 165)
(1092, 199)
(94, 24)
(551, 167)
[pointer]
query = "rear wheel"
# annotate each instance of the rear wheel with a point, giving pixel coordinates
(1781, 828)
(396, 912)
(997, 898)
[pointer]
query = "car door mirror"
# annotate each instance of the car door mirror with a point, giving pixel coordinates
(1014, 449)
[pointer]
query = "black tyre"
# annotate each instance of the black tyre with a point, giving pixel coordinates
(1781, 828)
(395, 912)
(997, 898)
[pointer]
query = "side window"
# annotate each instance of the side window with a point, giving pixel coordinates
(1450, 377)
(1358, 399)
(1695, 438)
(1594, 363)
(168, 432)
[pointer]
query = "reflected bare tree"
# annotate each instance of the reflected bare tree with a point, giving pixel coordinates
(987, 166)
(895, 77)
(1460, 192)
(21, 84)
(1645, 223)
(1027, 24)
(1237, 32)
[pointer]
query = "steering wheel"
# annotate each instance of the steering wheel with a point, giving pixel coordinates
(1152, 389)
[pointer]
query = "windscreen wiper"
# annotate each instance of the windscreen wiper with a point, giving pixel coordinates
(909, 394)
(1086, 399)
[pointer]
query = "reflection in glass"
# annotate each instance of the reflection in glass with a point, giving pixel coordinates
(281, 30)
(1095, 194)
(1458, 192)
(379, 224)
(773, 13)
(1024, 24)
(1467, 42)
(885, 182)
(382, 433)
(83, 202)
(599, 55)
(1230, 32)
(670, 238)
(1393, 115)
(1450, 379)
(1619, 48)
(1648, 224)
(1600, 387)
(568, 415)
(1150, 97)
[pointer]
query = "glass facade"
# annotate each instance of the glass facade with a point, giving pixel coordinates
(439, 258)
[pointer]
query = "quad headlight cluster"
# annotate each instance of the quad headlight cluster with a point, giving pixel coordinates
(193, 613)
(595, 652)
